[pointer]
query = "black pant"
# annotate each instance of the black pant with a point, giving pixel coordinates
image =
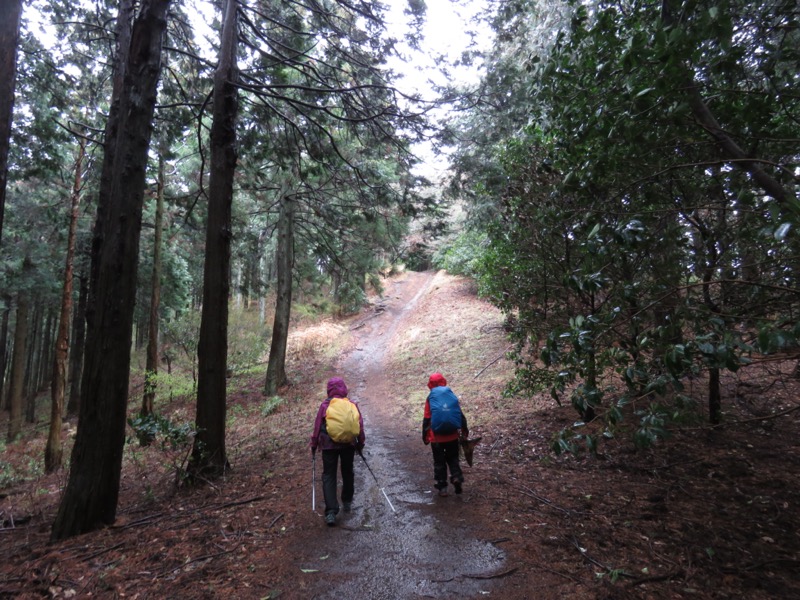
(445, 456)
(330, 458)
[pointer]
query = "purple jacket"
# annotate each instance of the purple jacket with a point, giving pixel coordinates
(336, 389)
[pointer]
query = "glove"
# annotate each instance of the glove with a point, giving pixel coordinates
(313, 450)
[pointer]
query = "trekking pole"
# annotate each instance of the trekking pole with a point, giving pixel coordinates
(376, 479)
(314, 481)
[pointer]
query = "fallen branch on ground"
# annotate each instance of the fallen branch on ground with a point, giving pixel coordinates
(532, 494)
(238, 502)
(101, 552)
(494, 361)
(275, 520)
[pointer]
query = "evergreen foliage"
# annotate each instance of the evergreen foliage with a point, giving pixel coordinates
(637, 164)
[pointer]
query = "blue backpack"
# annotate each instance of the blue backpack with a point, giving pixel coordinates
(445, 410)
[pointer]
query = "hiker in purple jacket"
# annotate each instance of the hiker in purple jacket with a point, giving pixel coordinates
(332, 452)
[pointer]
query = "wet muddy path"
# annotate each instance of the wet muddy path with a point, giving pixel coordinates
(427, 546)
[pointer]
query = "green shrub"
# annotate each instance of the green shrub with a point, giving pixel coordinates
(171, 435)
(463, 255)
(8, 475)
(270, 405)
(418, 257)
(247, 339)
(350, 298)
(172, 385)
(312, 311)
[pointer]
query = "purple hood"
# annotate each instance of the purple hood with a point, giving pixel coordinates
(337, 388)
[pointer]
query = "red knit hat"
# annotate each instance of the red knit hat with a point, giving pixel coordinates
(436, 380)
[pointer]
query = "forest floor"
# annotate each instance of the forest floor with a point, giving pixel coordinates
(708, 513)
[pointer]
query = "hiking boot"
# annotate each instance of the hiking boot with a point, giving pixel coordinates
(457, 485)
(330, 519)
(347, 506)
(443, 492)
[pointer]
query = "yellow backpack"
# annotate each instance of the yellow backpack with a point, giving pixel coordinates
(341, 421)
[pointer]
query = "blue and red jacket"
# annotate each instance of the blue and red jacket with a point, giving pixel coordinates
(428, 434)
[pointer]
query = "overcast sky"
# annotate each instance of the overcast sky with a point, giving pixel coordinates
(444, 34)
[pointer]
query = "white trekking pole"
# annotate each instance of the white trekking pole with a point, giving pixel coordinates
(376, 479)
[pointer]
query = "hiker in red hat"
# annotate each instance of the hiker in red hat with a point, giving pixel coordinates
(442, 424)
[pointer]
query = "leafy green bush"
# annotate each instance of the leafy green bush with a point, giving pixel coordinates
(312, 311)
(350, 298)
(171, 435)
(171, 385)
(182, 333)
(270, 405)
(8, 475)
(375, 282)
(247, 339)
(463, 255)
(418, 257)
(11, 474)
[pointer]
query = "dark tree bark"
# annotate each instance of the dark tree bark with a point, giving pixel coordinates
(90, 498)
(10, 17)
(46, 353)
(151, 368)
(208, 454)
(18, 360)
(276, 368)
(53, 451)
(35, 337)
(3, 355)
(76, 352)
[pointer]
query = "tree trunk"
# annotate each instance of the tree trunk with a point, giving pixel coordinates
(10, 18)
(151, 368)
(208, 454)
(76, 352)
(54, 451)
(48, 354)
(18, 360)
(35, 336)
(91, 494)
(3, 355)
(284, 258)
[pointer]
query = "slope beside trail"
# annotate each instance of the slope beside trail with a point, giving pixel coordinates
(427, 547)
(710, 513)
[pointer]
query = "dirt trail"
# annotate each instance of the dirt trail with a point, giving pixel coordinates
(710, 513)
(428, 548)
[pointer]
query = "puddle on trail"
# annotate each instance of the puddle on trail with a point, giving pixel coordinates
(426, 549)
(411, 553)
